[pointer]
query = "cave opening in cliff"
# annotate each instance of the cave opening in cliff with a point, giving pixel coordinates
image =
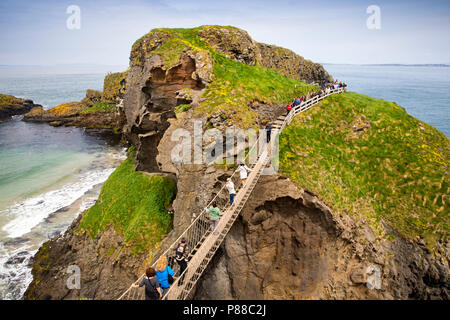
(159, 99)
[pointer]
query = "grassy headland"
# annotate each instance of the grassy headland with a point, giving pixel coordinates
(236, 86)
(136, 205)
(368, 156)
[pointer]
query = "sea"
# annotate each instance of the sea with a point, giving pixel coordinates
(48, 175)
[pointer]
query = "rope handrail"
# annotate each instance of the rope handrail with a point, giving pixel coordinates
(192, 223)
(212, 238)
(228, 211)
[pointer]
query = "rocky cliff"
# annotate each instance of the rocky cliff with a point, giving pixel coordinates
(12, 106)
(109, 243)
(203, 68)
(288, 243)
(236, 44)
(99, 109)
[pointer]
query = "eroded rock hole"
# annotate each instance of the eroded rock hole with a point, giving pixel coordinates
(159, 99)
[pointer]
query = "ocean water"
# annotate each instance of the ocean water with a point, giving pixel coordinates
(422, 91)
(47, 175)
(50, 90)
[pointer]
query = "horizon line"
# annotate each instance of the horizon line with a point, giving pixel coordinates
(126, 65)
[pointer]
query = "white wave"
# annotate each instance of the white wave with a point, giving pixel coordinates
(15, 278)
(122, 155)
(33, 211)
(17, 117)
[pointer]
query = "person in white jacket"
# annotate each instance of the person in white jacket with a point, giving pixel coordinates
(243, 172)
(230, 186)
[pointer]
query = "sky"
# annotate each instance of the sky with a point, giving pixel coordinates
(325, 31)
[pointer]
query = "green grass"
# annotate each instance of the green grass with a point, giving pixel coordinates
(182, 108)
(135, 205)
(99, 107)
(236, 86)
(393, 170)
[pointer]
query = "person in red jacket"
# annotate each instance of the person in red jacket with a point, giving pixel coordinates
(288, 108)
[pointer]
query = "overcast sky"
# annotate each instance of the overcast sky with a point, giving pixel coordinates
(35, 32)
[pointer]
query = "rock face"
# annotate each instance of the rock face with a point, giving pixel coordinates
(152, 99)
(12, 106)
(103, 275)
(92, 97)
(114, 87)
(291, 64)
(155, 88)
(289, 245)
(236, 44)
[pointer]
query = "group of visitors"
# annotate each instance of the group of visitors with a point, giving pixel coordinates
(300, 100)
(214, 211)
(325, 89)
(157, 282)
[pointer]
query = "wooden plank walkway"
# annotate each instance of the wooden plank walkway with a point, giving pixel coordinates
(204, 243)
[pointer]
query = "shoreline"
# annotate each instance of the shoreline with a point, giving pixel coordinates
(17, 252)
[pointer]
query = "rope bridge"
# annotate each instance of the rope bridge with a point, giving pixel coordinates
(202, 242)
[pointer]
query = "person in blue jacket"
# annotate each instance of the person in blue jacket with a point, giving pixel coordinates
(164, 274)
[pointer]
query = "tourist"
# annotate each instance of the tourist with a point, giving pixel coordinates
(243, 172)
(268, 131)
(288, 108)
(164, 274)
(230, 186)
(180, 257)
(214, 216)
(152, 290)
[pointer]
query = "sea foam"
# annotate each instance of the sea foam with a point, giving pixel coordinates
(31, 212)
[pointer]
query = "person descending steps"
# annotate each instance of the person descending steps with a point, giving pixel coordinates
(231, 190)
(288, 108)
(164, 274)
(243, 172)
(214, 215)
(180, 257)
(152, 290)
